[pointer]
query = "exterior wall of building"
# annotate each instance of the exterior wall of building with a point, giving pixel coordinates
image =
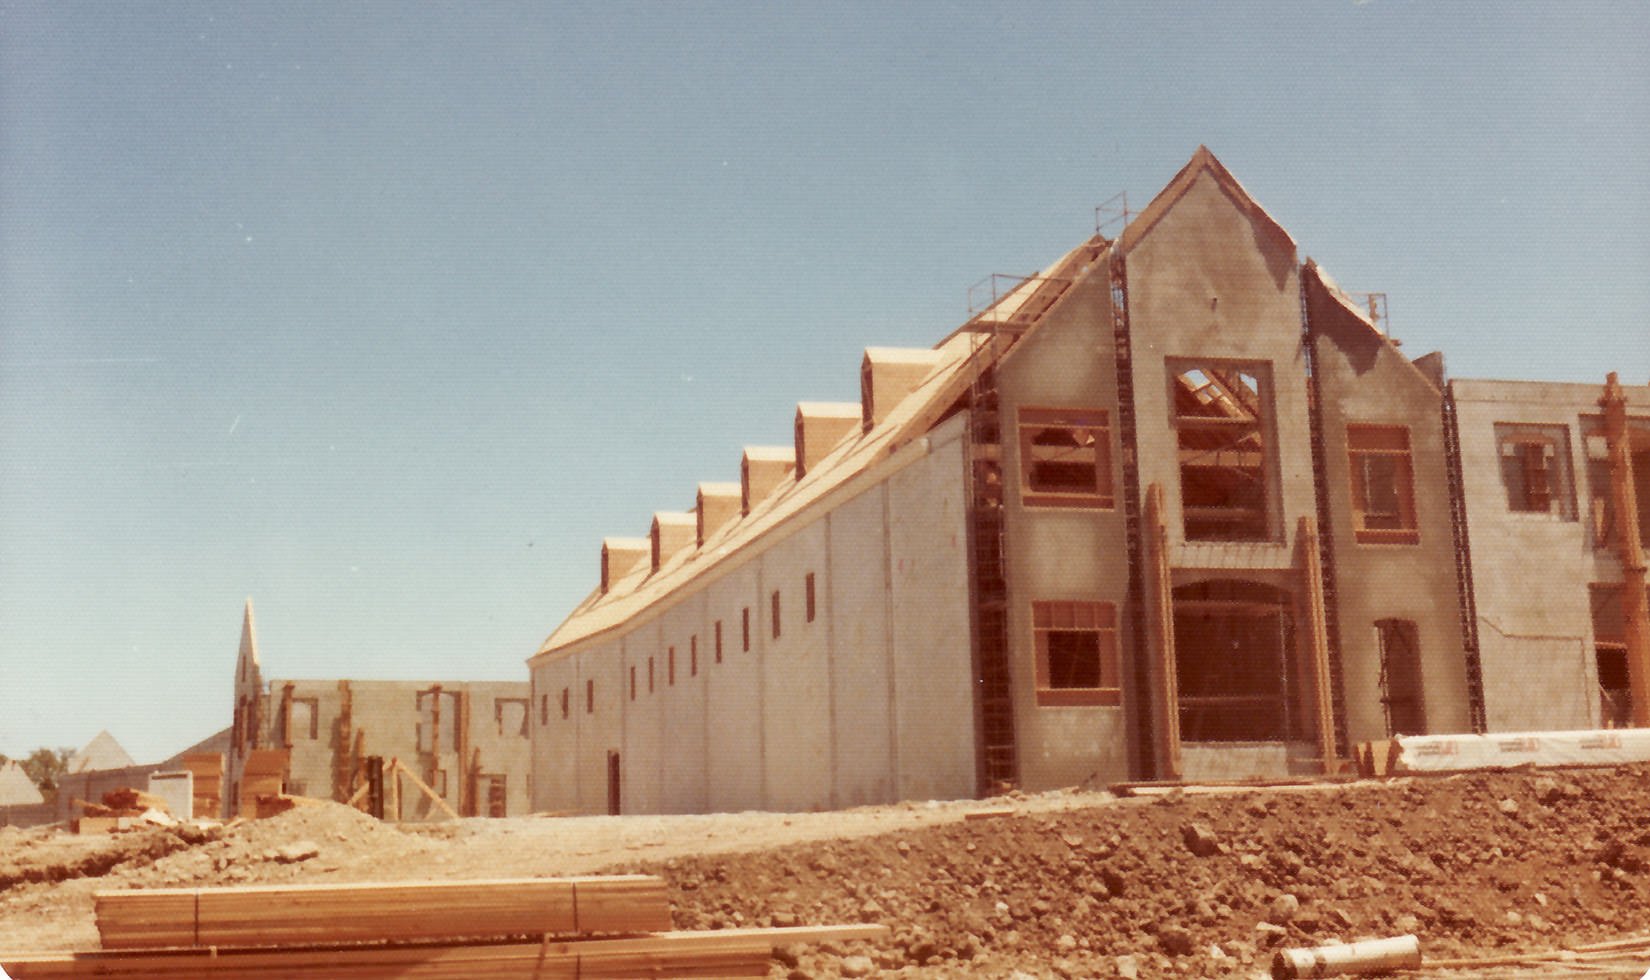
(1532, 572)
(871, 701)
(1065, 553)
(1364, 379)
(335, 724)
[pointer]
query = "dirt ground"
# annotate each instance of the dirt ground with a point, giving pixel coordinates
(1187, 884)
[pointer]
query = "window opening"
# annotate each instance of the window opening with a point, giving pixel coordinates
(774, 610)
(1234, 643)
(1065, 458)
(1076, 647)
(1401, 683)
(302, 722)
(1383, 484)
(1535, 468)
(632, 682)
(670, 667)
(650, 675)
(510, 715)
(589, 697)
(1220, 428)
(808, 583)
(745, 623)
(1610, 652)
(544, 708)
(564, 703)
(718, 641)
(693, 655)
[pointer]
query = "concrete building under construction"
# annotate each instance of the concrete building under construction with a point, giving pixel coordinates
(440, 747)
(1175, 507)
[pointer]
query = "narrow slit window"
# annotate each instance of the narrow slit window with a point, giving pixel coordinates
(632, 682)
(773, 616)
(808, 588)
(564, 705)
(589, 697)
(718, 641)
(650, 675)
(745, 623)
(1076, 648)
(544, 710)
(670, 667)
(693, 655)
(1065, 458)
(1383, 484)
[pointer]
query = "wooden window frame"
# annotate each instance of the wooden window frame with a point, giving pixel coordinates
(1077, 616)
(1094, 423)
(1231, 435)
(1531, 448)
(1365, 444)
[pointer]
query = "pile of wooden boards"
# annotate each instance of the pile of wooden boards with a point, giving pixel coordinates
(606, 926)
(120, 808)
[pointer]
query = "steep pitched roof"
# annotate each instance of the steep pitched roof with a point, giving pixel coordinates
(977, 344)
(16, 788)
(102, 752)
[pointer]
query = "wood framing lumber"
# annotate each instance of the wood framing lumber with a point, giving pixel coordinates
(127, 798)
(432, 794)
(274, 915)
(721, 953)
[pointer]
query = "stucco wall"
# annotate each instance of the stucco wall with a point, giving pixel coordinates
(1364, 379)
(1531, 571)
(872, 701)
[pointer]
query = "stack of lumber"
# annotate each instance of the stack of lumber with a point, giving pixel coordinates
(611, 926)
(119, 809)
(263, 775)
(207, 768)
(271, 804)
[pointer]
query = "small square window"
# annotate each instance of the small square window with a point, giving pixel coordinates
(1076, 645)
(1065, 458)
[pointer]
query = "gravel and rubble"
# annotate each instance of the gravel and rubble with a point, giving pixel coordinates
(1063, 885)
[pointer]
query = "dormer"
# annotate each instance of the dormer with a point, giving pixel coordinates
(762, 470)
(819, 427)
(717, 507)
(887, 375)
(620, 557)
(672, 534)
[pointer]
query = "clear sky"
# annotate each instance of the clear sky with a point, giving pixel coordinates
(383, 314)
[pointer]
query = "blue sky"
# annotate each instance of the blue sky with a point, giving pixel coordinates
(384, 314)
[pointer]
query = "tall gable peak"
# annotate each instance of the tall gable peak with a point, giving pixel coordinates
(1203, 162)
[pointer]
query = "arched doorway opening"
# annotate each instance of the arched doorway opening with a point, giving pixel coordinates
(1235, 668)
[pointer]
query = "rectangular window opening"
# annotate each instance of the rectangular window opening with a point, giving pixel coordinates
(564, 703)
(693, 655)
(773, 617)
(589, 697)
(1383, 484)
(746, 629)
(1220, 420)
(670, 667)
(1065, 458)
(808, 584)
(718, 641)
(1076, 648)
(1535, 468)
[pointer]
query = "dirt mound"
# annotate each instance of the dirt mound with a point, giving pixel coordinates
(1206, 885)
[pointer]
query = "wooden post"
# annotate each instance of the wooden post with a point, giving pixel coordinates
(1635, 609)
(425, 787)
(1159, 586)
(1317, 635)
(344, 760)
(394, 771)
(286, 716)
(461, 749)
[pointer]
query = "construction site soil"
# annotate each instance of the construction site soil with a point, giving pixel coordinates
(1070, 884)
